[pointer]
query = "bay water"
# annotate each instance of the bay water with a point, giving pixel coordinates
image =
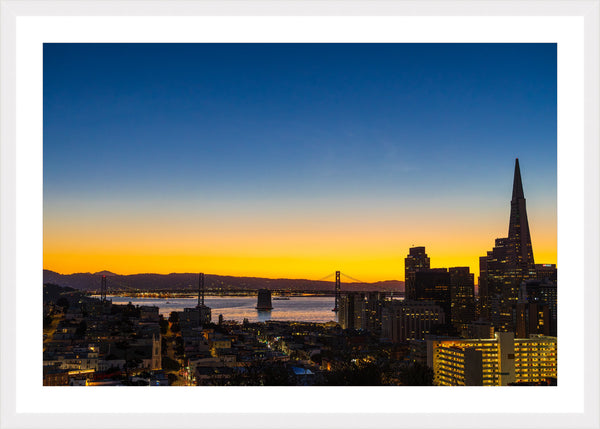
(316, 309)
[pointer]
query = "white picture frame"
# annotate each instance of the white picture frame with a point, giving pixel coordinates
(26, 25)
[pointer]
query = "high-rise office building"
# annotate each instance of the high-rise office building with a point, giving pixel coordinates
(520, 253)
(545, 272)
(499, 283)
(452, 289)
(509, 263)
(371, 312)
(480, 329)
(540, 291)
(462, 297)
(494, 362)
(409, 320)
(532, 318)
(351, 310)
(417, 260)
(536, 309)
(196, 316)
(434, 285)
(361, 310)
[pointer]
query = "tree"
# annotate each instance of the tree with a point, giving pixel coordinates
(47, 321)
(63, 302)
(164, 325)
(172, 378)
(416, 375)
(81, 329)
(122, 345)
(351, 374)
(169, 364)
(179, 347)
(258, 373)
(276, 374)
(132, 363)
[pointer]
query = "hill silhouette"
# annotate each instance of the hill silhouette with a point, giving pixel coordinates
(105, 273)
(189, 281)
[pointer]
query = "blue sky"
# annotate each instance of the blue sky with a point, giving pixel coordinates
(132, 127)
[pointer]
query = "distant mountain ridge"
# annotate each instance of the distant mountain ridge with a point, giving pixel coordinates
(105, 273)
(180, 281)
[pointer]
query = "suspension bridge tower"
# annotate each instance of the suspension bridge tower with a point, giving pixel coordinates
(103, 289)
(337, 291)
(201, 290)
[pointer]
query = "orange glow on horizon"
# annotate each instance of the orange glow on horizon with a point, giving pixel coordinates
(282, 249)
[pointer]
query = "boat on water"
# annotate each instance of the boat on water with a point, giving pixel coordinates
(281, 298)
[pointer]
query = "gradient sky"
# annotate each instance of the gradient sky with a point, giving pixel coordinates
(293, 160)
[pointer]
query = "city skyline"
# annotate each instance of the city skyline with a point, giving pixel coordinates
(293, 160)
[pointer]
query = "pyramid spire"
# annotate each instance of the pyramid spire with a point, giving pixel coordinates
(518, 228)
(517, 184)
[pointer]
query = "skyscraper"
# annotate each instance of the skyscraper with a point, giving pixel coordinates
(520, 252)
(434, 285)
(350, 312)
(508, 264)
(502, 360)
(416, 261)
(410, 320)
(462, 297)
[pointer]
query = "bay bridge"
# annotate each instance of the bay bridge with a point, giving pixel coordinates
(335, 276)
(338, 286)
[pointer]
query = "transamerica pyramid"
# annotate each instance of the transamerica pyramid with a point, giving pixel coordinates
(519, 239)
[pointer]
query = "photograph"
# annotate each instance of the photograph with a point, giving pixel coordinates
(300, 214)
